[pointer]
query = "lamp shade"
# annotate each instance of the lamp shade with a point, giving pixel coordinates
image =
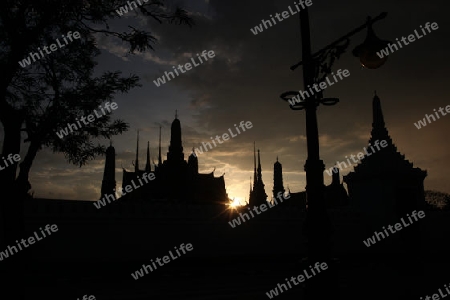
(367, 51)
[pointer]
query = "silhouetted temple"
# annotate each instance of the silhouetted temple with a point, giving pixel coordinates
(385, 183)
(109, 175)
(277, 179)
(175, 179)
(335, 193)
(258, 195)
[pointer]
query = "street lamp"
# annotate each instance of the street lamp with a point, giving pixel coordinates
(315, 68)
(367, 51)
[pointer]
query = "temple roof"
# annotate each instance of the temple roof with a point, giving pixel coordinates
(387, 160)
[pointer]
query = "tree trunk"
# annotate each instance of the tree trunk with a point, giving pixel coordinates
(22, 182)
(12, 121)
(11, 206)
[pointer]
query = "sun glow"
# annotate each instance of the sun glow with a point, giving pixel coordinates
(235, 203)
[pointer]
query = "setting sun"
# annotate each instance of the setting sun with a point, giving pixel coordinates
(235, 203)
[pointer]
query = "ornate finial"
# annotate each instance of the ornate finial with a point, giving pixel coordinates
(375, 95)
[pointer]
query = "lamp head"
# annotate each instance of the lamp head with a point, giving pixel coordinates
(367, 51)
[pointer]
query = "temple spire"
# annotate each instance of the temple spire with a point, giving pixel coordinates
(259, 168)
(378, 119)
(258, 195)
(109, 174)
(254, 164)
(251, 191)
(148, 167)
(277, 179)
(175, 153)
(159, 154)
(136, 162)
(379, 131)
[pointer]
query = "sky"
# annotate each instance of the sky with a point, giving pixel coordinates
(244, 81)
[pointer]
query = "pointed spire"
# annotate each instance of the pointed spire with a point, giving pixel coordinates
(378, 119)
(379, 131)
(250, 194)
(176, 114)
(259, 166)
(148, 167)
(259, 170)
(277, 179)
(109, 174)
(254, 164)
(136, 162)
(159, 154)
(175, 153)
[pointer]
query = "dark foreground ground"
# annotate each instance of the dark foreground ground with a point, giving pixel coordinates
(94, 253)
(225, 279)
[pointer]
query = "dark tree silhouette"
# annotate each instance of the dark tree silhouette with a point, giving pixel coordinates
(52, 91)
(60, 89)
(25, 24)
(437, 199)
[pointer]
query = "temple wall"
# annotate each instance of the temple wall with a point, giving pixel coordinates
(144, 230)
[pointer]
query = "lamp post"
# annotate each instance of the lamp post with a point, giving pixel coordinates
(318, 225)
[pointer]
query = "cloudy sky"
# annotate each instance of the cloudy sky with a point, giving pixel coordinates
(244, 80)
